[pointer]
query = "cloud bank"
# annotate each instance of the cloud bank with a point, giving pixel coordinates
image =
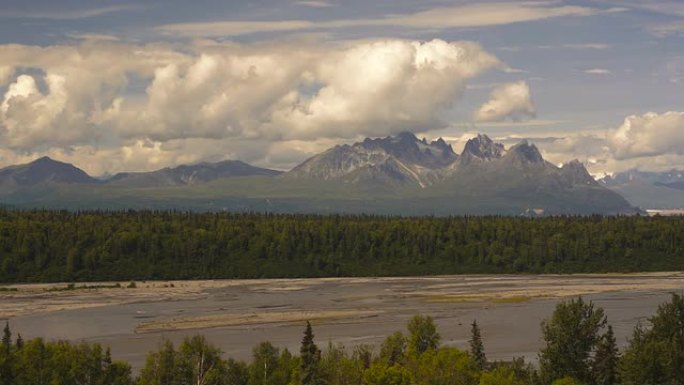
(650, 134)
(111, 98)
(509, 101)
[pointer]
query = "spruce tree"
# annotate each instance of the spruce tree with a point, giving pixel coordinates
(6, 373)
(6, 339)
(476, 346)
(604, 368)
(310, 356)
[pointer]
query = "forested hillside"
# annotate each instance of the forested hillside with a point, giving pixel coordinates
(38, 246)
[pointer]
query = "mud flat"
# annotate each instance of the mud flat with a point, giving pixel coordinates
(237, 314)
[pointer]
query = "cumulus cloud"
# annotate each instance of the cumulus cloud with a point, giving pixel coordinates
(650, 142)
(509, 101)
(650, 134)
(69, 91)
(114, 98)
(395, 86)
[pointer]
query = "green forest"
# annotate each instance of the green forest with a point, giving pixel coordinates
(578, 348)
(44, 245)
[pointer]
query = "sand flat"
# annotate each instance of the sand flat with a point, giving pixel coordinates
(203, 322)
(41, 298)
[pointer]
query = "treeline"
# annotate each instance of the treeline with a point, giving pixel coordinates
(579, 349)
(39, 246)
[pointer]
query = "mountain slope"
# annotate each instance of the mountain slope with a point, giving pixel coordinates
(41, 171)
(519, 179)
(189, 174)
(390, 162)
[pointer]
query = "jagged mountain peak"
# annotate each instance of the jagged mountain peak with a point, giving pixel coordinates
(481, 149)
(398, 159)
(525, 152)
(575, 172)
(45, 159)
(405, 135)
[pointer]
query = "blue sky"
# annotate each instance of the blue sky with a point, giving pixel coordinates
(108, 84)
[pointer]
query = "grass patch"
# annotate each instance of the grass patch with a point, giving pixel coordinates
(5, 289)
(446, 298)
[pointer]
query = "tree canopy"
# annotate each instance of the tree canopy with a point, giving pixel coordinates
(59, 246)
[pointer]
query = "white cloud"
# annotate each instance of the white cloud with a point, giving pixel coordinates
(667, 29)
(509, 101)
(6, 73)
(458, 16)
(598, 71)
(383, 87)
(650, 134)
(362, 88)
(91, 36)
(314, 4)
(69, 14)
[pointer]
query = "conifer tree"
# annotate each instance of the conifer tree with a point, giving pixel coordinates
(20, 342)
(310, 356)
(6, 372)
(6, 339)
(477, 347)
(604, 370)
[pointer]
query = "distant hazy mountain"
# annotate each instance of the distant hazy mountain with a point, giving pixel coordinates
(41, 171)
(393, 175)
(649, 190)
(189, 175)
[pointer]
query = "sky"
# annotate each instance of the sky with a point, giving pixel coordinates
(133, 86)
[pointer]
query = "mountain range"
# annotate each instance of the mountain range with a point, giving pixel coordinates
(393, 175)
(647, 189)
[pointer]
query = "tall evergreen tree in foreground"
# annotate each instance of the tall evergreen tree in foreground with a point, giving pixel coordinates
(605, 366)
(477, 347)
(6, 339)
(6, 373)
(310, 356)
